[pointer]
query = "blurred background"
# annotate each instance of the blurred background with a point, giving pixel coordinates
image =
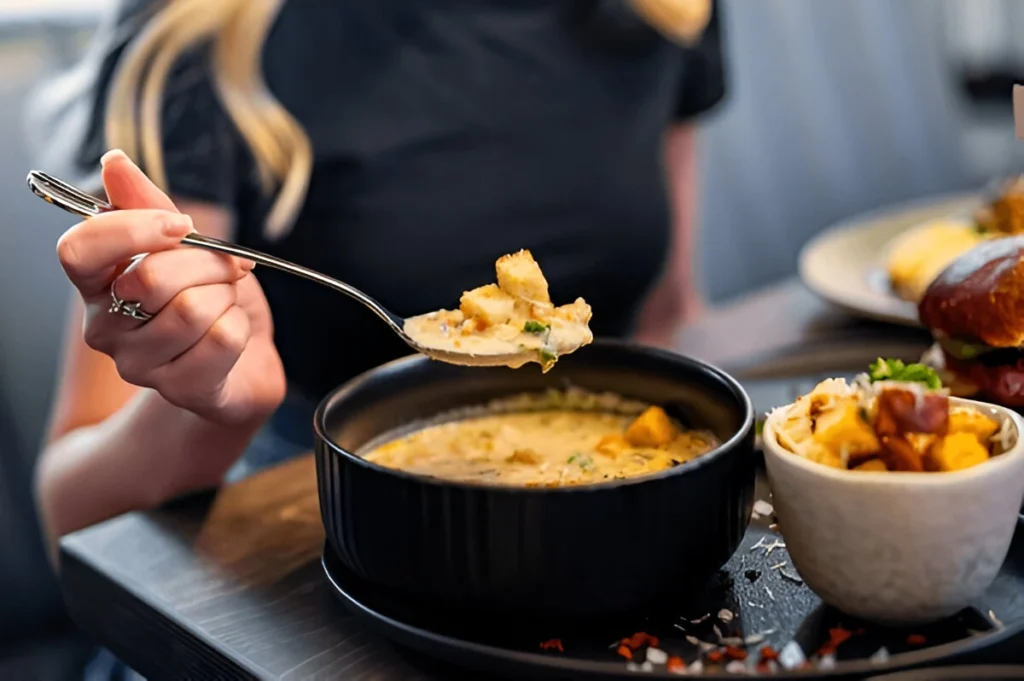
(835, 107)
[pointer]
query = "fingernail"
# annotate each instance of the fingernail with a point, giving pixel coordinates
(178, 225)
(247, 265)
(111, 155)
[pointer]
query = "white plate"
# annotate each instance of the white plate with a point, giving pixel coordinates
(845, 264)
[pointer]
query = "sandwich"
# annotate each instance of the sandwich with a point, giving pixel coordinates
(975, 311)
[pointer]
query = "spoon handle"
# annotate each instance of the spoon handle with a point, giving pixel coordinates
(226, 247)
(75, 201)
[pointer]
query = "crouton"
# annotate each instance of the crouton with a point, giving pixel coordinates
(577, 312)
(488, 305)
(520, 275)
(653, 428)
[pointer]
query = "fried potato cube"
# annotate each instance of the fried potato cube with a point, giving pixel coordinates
(520, 275)
(653, 428)
(958, 451)
(823, 455)
(842, 429)
(612, 445)
(871, 465)
(488, 304)
(972, 421)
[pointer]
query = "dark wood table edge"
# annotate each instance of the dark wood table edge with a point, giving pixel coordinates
(157, 629)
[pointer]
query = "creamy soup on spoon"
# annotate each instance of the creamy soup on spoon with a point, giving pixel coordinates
(515, 316)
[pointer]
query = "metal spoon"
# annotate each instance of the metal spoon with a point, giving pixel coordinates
(78, 202)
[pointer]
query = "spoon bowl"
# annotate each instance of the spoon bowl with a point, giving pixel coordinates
(75, 201)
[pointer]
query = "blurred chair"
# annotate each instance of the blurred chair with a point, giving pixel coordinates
(37, 642)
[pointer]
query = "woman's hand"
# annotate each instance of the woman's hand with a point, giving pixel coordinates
(208, 347)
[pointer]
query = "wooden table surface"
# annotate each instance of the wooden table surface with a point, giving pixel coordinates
(230, 586)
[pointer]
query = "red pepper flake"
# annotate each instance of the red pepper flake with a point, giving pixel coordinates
(916, 640)
(553, 644)
(675, 664)
(716, 656)
(625, 652)
(836, 637)
(769, 654)
(639, 640)
(735, 653)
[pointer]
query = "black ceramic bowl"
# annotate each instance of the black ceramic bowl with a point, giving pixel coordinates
(560, 552)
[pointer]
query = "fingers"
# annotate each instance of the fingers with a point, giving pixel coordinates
(204, 368)
(128, 187)
(92, 252)
(179, 326)
(154, 280)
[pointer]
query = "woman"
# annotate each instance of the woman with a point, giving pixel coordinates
(405, 146)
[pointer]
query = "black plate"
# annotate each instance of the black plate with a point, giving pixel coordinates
(763, 596)
(965, 673)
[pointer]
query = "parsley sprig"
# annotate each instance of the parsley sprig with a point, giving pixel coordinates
(897, 370)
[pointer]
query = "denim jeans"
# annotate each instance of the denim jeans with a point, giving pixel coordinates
(287, 434)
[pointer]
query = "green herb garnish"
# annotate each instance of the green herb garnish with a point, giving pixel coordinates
(548, 355)
(896, 370)
(581, 460)
(532, 326)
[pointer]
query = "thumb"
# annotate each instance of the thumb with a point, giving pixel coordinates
(128, 187)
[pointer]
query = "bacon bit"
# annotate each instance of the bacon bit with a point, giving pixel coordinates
(675, 664)
(916, 640)
(769, 654)
(716, 656)
(639, 640)
(735, 653)
(900, 455)
(625, 652)
(553, 644)
(901, 411)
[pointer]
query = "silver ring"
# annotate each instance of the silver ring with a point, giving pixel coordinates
(128, 309)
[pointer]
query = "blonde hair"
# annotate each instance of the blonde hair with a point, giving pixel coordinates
(236, 30)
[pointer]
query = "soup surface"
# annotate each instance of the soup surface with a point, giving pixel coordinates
(550, 448)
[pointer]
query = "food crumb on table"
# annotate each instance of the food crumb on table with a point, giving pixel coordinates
(553, 644)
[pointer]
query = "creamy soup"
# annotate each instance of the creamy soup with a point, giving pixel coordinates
(513, 317)
(550, 448)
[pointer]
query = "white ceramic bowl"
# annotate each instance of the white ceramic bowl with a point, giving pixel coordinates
(898, 548)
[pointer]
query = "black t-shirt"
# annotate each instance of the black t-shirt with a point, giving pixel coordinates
(446, 133)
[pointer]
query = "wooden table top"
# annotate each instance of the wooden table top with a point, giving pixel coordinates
(229, 585)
